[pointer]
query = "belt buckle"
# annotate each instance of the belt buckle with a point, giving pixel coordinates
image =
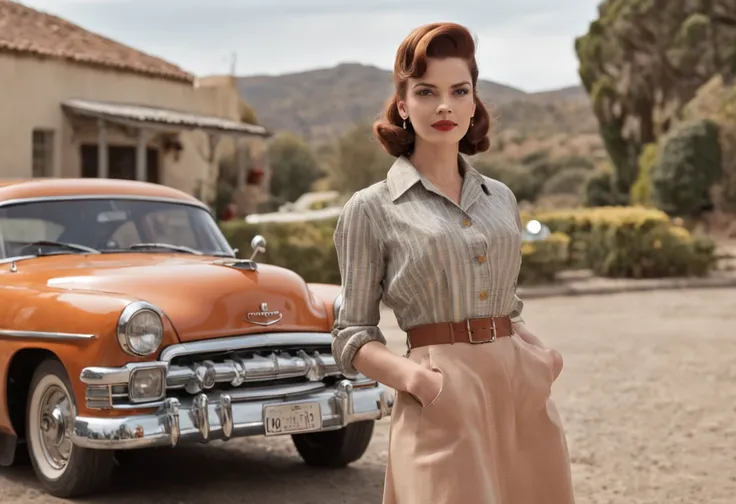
(479, 342)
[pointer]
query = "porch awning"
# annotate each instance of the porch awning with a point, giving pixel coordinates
(141, 116)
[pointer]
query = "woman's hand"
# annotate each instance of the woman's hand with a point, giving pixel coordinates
(556, 361)
(525, 334)
(425, 386)
(379, 363)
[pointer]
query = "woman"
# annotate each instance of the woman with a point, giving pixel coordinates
(439, 243)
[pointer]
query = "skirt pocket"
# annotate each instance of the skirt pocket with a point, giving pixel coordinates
(443, 386)
(423, 356)
(535, 367)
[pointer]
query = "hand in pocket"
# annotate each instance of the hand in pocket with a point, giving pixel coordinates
(428, 387)
(557, 363)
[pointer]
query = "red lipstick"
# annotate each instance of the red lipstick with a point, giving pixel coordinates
(444, 125)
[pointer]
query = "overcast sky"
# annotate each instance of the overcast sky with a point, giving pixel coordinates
(524, 43)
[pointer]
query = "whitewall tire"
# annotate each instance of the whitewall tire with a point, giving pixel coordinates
(63, 469)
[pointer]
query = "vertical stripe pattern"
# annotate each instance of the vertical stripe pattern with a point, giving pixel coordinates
(401, 241)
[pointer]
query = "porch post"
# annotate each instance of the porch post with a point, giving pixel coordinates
(239, 162)
(103, 170)
(141, 168)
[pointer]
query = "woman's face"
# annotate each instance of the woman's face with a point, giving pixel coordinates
(440, 104)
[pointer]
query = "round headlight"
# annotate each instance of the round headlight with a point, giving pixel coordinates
(140, 329)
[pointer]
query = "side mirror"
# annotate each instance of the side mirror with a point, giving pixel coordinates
(535, 231)
(258, 244)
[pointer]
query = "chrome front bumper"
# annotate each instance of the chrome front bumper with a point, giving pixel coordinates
(207, 417)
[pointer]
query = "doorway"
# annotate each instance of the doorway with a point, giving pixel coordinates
(120, 162)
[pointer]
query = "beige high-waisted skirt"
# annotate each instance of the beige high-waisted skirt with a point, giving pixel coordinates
(492, 435)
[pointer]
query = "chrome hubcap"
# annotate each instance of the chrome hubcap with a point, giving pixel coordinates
(55, 440)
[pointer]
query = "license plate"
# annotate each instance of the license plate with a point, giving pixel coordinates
(291, 418)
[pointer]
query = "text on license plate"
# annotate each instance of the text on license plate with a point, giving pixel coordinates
(291, 418)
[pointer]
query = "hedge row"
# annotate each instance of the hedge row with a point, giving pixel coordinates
(630, 242)
(615, 242)
(304, 247)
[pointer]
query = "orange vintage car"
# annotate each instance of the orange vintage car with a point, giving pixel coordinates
(128, 322)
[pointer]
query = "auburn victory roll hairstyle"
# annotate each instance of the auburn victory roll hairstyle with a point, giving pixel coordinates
(436, 40)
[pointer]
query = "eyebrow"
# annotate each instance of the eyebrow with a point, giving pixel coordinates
(427, 84)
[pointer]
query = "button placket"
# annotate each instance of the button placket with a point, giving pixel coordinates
(478, 252)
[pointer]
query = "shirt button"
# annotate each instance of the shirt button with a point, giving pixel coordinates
(484, 295)
(481, 259)
(466, 222)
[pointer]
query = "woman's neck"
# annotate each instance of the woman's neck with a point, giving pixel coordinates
(438, 163)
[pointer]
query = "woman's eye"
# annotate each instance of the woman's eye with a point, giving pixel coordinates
(428, 92)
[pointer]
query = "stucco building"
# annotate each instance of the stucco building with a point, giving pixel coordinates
(65, 92)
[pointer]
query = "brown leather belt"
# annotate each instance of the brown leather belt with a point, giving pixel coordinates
(474, 331)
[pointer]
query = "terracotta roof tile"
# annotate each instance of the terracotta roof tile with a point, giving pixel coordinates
(25, 30)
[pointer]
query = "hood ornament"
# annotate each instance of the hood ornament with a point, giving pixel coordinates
(241, 264)
(264, 317)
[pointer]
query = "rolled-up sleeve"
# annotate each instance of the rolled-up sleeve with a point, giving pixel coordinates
(362, 266)
(517, 309)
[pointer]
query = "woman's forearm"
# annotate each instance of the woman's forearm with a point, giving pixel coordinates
(379, 363)
(525, 334)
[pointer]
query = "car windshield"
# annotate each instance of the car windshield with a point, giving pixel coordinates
(108, 225)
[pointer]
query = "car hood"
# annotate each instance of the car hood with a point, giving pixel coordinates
(204, 297)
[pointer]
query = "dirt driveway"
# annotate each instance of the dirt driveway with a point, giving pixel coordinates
(648, 395)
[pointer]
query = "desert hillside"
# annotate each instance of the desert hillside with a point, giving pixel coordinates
(322, 104)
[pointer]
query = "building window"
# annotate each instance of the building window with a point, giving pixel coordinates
(43, 153)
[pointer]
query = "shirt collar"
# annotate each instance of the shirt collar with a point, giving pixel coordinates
(403, 175)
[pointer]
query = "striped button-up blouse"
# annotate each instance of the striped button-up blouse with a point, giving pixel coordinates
(403, 242)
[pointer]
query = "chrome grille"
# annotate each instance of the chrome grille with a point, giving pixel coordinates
(246, 368)
(237, 369)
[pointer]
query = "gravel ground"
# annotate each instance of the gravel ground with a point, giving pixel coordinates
(647, 395)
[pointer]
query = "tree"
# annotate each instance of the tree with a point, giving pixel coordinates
(357, 160)
(247, 113)
(642, 61)
(294, 168)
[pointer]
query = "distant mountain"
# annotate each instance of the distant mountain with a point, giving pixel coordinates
(324, 103)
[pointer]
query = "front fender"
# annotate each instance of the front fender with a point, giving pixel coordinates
(325, 294)
(78, 327)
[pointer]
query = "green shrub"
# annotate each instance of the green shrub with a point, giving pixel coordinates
(566, 181)
(689, 165)
(519, 178)
(575, 161)
(536, 156)
(716, 100)
(632, 242)
(303, 247)
(522, 182)
(599, 188)
(641, 191)
(663, 251)
(542, 260)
